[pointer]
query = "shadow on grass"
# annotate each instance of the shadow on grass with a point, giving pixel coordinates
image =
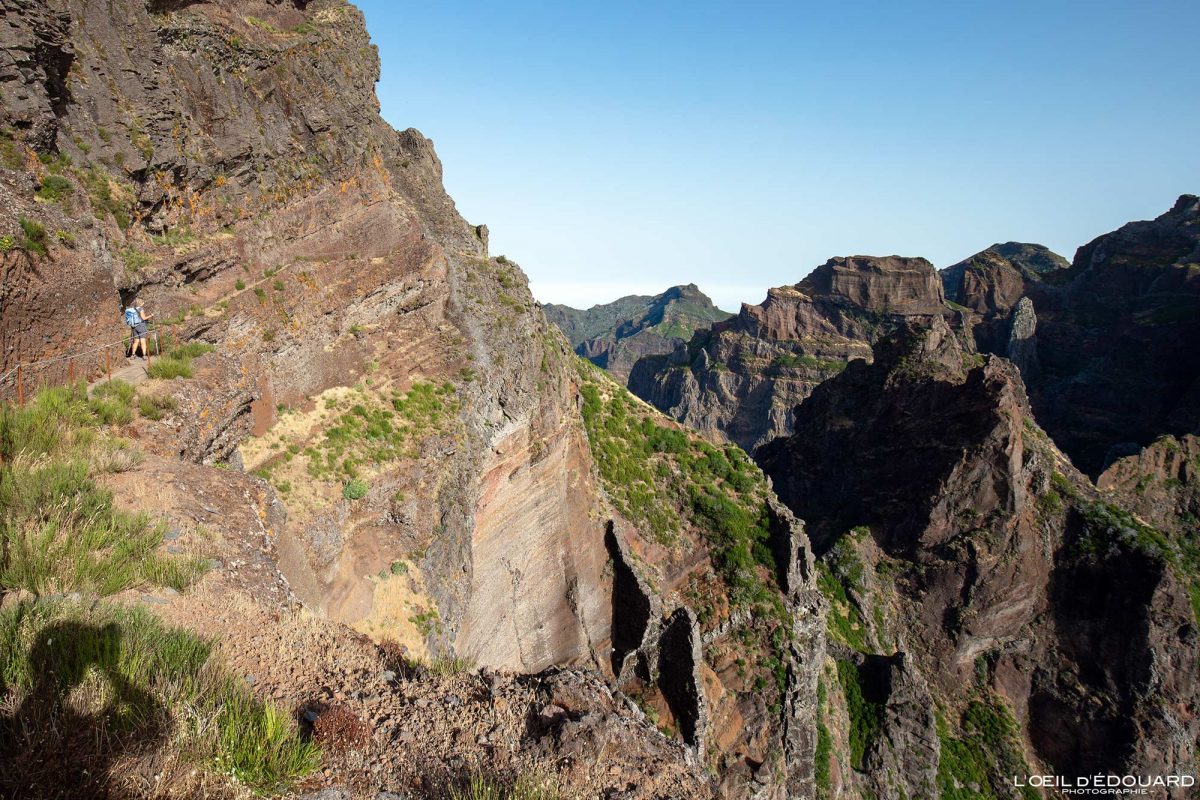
(79, 717)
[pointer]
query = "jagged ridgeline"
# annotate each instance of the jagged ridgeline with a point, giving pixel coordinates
(615, 335)
(991, 613)
(704, 553)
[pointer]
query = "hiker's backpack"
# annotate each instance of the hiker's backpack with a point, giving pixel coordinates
(132, 317)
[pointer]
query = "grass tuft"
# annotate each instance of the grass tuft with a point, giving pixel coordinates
(524, 787)
(178, 363)
(59, 531)
(59, 660)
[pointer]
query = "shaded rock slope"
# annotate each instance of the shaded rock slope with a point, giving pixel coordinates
(992, 612)
(739, 379)
(1110, 348)
(615, 335)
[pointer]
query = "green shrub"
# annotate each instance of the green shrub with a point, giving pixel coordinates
(12, 153)
(379, 432)
(191, 350)
(277, 284)
(155, 408)
(480, 787)
(864, 708)
(7, 243)
(168, 368)
(54, 188)
(355, 489)
(981, 763)
(261, 294)
(844, 619)
(135, 260)
(35, 236)
(59, 531)
(257, 744)
(175, 237)
(178, 362)
(239, 284)
(99, 189)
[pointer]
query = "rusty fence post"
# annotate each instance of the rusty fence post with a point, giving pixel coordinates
(108, 362)
(20, 386)
(71, 372)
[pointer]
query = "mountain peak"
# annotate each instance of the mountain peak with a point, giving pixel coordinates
(617, 334)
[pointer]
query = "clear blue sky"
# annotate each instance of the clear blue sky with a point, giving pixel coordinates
(625, 147)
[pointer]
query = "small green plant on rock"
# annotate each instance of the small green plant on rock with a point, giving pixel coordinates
(355, 489)
(54, 188)
(35, 236)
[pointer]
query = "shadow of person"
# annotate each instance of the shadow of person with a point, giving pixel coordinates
(81, 714)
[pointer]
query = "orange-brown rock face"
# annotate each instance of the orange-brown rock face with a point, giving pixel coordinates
(538, 592)
(228, 164)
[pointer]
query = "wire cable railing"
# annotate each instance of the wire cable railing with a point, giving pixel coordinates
(32, 374)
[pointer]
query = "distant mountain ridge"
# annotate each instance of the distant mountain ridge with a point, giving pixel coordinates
(740, 379)
(615, 335)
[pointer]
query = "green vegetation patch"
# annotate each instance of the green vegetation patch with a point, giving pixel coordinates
(523, 787)
(822, 759)
(648, 468)
(59, 531)
(662, 479)
(377, 431)
(55, 188)
(864, 708)
(1109, 528)
(135, 260)
(981, 762)
(99, 187)
(155, 408)
(178, 362)
(175, 237)
(34, 236)
(841, 572)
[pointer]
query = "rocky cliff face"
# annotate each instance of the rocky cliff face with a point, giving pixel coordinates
(717, 623)
(369, 429)
(615, 335)
(1119, 340)
(371, 422)
(973, 572)
(740, 379)
(181, 154)
(1107, 347)
(989, 287)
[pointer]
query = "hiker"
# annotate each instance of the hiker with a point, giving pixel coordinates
(135, 318)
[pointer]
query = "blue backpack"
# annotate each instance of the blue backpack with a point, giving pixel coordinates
(132, 317)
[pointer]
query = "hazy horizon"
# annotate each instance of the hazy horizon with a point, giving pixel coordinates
(627, 148)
